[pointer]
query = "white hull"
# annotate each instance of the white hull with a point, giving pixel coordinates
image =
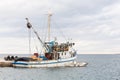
(47, 63)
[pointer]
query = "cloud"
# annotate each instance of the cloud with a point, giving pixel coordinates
(98, 32)
(92, 24)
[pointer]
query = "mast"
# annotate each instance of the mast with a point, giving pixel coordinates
(49, 19)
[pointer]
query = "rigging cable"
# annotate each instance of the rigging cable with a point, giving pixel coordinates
(60, 31)
(29, 34)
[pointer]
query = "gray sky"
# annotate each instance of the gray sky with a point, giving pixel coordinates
(92, 24)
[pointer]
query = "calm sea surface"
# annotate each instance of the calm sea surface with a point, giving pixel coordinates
(100, 67)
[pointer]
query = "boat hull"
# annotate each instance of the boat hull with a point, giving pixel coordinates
(47, 63)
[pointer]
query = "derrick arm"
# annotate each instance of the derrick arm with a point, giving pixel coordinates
(29, 27)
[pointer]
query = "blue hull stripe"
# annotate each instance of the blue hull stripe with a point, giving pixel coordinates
(20, 63)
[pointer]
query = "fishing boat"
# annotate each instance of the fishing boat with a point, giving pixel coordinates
(55, 54)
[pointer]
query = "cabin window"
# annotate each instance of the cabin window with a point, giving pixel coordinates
(62, 54)
(65, 53)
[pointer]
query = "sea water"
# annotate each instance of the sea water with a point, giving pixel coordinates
(100, 67)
